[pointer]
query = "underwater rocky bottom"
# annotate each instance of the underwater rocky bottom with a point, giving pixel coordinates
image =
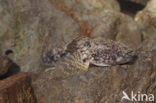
(30, 28)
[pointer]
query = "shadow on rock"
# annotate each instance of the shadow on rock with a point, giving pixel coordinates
(13, 69)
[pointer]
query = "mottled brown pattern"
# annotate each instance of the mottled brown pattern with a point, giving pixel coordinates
(97, 51)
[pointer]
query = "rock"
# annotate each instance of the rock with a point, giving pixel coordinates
(115, 26)
(30, 28)
(43, 25)
(5, 64)
(147, 19)
(81, 11)
(98, 84)
(149, 43)
(81, 7)
(109, 23)
(27, 26)
(17, 89)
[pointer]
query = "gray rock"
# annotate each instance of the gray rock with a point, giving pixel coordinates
(103, 20)
(29, 28)
(97, 84)
(26, 26)
(5, 64)
(81, 7)
(146, 19)
(114, 25)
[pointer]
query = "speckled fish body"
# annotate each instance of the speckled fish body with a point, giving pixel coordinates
(96, 51)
